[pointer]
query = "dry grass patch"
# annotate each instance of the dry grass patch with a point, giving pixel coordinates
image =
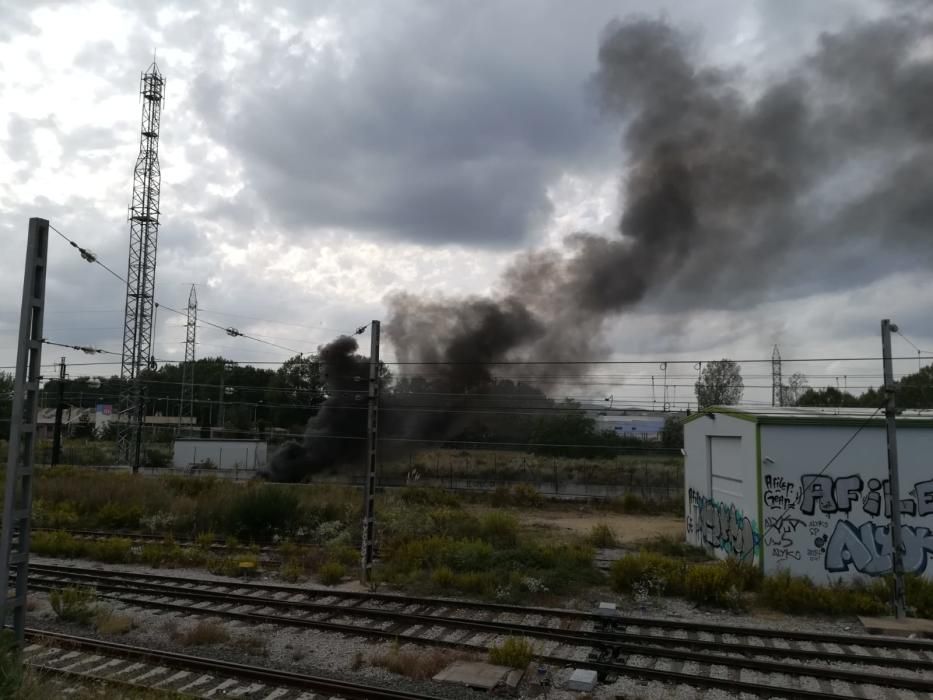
(204, 633)
(251, 645)
(106, 621)
(417, 664)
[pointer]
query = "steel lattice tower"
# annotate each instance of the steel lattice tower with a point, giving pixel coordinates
(187, 370)
(140, 275)
(777, 398)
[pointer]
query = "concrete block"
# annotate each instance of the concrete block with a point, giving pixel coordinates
(473, 674)
(582, 680)
(890, 626)
(607, 609)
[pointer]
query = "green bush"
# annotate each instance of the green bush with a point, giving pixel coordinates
(500, 529)
(676, 547)
(332, 573)
(112, 550)
(57, 544)
(516, 652)
(799, 594)
(74, 604)
(261, 511)
(428, 496)
(657, 572)
(601, 535)
(919, 592)
(711, 584)
(119, 515)
(292, 570)
(443, 577)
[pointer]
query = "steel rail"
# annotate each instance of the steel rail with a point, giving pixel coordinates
(581, 637)
(609, 649)
(345, 689)
(500, 608)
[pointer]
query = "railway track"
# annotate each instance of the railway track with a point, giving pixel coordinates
(193, 676)
(759, 661)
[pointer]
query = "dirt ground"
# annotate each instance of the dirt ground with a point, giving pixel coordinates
(575, 520)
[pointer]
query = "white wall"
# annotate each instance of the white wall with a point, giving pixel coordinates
(837, 527)
(224, 454)
(721, 486)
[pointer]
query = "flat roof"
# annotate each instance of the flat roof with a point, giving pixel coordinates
(817, 415)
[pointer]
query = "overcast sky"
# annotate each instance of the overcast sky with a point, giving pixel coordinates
(316, 156)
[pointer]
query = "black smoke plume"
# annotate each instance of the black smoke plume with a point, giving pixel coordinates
(810, 180)
(338, 431)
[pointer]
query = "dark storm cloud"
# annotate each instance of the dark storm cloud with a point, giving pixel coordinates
(451, 131)
(819, 179)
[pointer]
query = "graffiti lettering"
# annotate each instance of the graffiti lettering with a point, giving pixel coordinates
(724, 527)
(780, 529)
(785, 553)
(779, 492)
(867, 548)
(829, 495)
(923, 492)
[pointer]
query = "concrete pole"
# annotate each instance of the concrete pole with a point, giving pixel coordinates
(897, 544)
(59, 409)
(17, 497)
(372, 438)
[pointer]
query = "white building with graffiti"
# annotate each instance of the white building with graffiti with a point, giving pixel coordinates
(782, 488)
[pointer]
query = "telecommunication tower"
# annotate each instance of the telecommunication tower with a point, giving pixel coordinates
(140, 276)
(776, 380)
(187, 370)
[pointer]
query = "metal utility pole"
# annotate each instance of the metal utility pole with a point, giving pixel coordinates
(59, 409)
(187, 369)
(17, 498)
(140, 275)
(897, 544)
(777, 397)
(372, 440)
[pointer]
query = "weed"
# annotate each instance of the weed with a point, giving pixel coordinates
(263, 511)
(74, 603)
(601, 535)
(205, 540)
(332, 573)
(675, 547)
(516, 652)
(204, 633)
(711, 584)
(500, 529)
(357, 662)
(112, 550)
(443, 577)
(635, 570)
(292, 570)
(799, 594)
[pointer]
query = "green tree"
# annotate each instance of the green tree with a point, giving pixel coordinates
(672, 434)
(720, 384)
(794, 389)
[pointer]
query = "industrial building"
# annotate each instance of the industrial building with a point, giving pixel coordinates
(198, 453)
(766, 484)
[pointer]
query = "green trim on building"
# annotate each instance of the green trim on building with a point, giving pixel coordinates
(829, 419)
(761, 498)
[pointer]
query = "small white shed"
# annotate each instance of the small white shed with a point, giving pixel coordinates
(220, 454)
(767, 485)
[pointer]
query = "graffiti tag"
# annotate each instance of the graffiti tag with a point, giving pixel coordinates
(867, 548)
(724, 527)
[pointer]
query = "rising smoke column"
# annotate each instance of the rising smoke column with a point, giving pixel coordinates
(728, 189)
(337, 432)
